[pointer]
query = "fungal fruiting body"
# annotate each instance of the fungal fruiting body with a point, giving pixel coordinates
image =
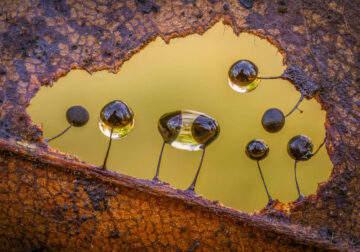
(273, 119)
(187, 130)
(300, 148)
(243, 76)
(116, 121)
(76, 116)
(257, 150)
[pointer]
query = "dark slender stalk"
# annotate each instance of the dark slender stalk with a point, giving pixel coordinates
(156, 178)
(192, 186)
(263, 180)
(108, 150)
(296, 105)
(321, 145)
(63, 132)
(269, 78)
(301, 196)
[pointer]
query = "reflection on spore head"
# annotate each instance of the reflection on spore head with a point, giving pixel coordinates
(300, 147)
(169, 126)
(116, 116)
(243, 76)
(205, 130)
(257, 149)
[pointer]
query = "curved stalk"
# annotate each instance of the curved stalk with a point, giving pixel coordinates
(296, 106)
(60, 134)
(301, 196)
(321, 145)
(266, 189)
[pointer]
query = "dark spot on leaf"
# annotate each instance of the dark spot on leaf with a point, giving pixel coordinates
(84, 217)
(282, 9)
(114, 234)
(248, 4)
(195, 244)
(228, 243)
(147, 7)
(199, 15)
(5, 129)
(37, 249)
(107, 54)
(97, 195)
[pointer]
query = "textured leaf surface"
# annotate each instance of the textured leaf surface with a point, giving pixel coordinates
(51, 201)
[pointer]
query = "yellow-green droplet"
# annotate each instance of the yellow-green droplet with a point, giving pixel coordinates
(188, 130)
(243, 76)
(116, 119)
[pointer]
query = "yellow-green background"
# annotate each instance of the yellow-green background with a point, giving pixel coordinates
(191, 73)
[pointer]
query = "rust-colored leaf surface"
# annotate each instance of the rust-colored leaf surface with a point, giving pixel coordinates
(51, 201)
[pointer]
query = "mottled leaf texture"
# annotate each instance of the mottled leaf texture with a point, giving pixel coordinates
(49, 201)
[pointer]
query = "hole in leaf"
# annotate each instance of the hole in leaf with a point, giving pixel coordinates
(191, 73)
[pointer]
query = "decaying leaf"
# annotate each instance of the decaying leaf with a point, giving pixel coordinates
(51, 201)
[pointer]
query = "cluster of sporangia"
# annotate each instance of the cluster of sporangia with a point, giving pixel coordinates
(193, 131)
